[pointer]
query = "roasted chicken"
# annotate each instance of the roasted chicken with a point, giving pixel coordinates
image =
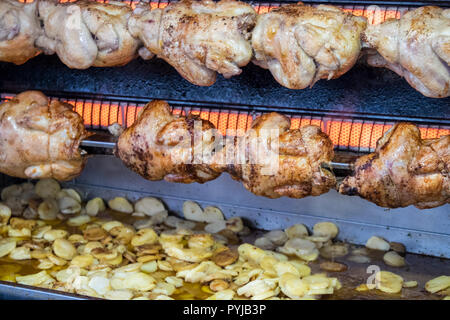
(39, 138)
(198, 38)
(416, 47)
(404, 170)
(273, 161)
(301, 44)
(160, 145)
(19, 29)
(87, 33)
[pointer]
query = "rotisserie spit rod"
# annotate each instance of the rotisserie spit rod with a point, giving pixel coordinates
(40, 139)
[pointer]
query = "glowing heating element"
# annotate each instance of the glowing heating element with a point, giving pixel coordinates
(374, 14)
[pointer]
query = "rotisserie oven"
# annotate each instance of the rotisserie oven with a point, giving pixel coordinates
(224, 150)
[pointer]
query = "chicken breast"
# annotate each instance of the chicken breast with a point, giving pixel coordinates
(198, 38)
(416, 47)
(160, 145)
(40, 139)
(19, 29)
(273, 161)
(302, 44)
(87, 33)
(404, 170)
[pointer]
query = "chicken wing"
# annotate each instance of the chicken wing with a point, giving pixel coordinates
(40, 139)
(302, 44)
(416, 47)
(198, 38)
(87, 33)
(19, 29)
(404, 170)
(160, 145)
(273, 161)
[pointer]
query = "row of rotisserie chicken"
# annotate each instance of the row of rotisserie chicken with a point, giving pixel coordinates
(299, 44)
(41, 139)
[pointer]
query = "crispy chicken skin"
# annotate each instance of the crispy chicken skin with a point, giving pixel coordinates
(160, 145)
(40, 139)
(87, 33)
(404, 170)
(416, 47)
(301, 44)
(19, 29)
(198, 38)
(298, 153)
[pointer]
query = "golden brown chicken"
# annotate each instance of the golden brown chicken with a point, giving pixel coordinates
(273, 161)
(19, 29)
(198, 38)
(40, 139)
(404, 170)
(87, 33)
(160, 145)
(302, 44)
(416, 47)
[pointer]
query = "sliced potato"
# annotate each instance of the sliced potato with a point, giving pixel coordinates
(302, 248)
(326, 229)
(215, 226)
(225, 256)
(100, 285)
(377, 243)
(149, 206)
(235, 224)
(332, 266)
(71, 193)
(292, 286)
(393, 259)
(159, 217)
(264, 243)
(218, 285)
(6, 246)
(78, 220)
(64, 249)
(120, 204)
(144, 236)
(54, 234)
(149, 267)
(119, 294)
(213, 214)
(68, 205)
(296, 231)
(171, 221)
(82, 261)
(278, 237)
(94, 206)
(47, 188)
(192, 211)
(48, 209)
(389, 282)
(438, 284)
(5, 214)
(35, 279)
(20, 253)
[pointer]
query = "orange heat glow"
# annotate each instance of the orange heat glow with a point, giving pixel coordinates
(374, 14)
